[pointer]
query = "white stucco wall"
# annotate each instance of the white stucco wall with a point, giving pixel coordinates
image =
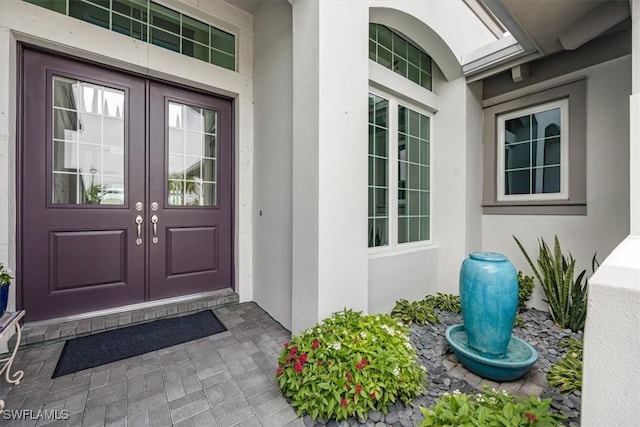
(451, 203)
(607, 221)
(273, 151)
(330, 159)
(473, 168)
(7, 169)
(20, 21)
(330, 57)
(305, 197)
(7, 162)
(412, 272)
(610, 372)
(611, 376)
(406, 275)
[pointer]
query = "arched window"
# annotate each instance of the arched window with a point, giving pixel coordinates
(391, 50)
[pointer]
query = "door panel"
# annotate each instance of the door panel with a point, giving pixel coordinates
(181, 261)
(191, 157)
(72, 248)
(82, 173)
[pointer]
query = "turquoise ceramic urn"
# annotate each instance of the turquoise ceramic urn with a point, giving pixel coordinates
(489, 298)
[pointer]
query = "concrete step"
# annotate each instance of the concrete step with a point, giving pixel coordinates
(48, 331)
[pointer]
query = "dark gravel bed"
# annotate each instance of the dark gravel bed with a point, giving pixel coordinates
(444, 376)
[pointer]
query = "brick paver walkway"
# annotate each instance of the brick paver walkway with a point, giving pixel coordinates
(223, 380)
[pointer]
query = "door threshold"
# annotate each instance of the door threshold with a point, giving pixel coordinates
(77, 325)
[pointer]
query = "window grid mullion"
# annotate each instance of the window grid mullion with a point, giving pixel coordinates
(393, 173)
(531, 187)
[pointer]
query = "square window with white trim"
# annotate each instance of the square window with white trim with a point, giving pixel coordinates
(399, 147)
(532, 153)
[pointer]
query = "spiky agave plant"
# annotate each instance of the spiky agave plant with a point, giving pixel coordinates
(567, 298)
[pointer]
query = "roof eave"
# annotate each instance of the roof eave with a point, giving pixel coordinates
(511, 49)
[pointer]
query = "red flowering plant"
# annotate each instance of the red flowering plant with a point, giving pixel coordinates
(350, 364)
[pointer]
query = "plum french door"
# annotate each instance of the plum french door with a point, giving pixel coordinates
(126, 189)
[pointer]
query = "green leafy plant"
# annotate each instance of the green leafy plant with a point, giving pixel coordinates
(490, 408)
(418, 312)
(566, 375)
(445, 302)
(93, 194)
(567, 297)
(349, 364)
(525, 289)
(5, 275)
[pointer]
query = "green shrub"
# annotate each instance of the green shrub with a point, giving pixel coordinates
(445, 302)
(490, 408)
(519, 322)
(567, 297)
(349, 364)
(566, 375)
(525, 289)
(418, 312)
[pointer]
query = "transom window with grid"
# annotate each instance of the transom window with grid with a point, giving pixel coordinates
(399, 147)
(153, 23)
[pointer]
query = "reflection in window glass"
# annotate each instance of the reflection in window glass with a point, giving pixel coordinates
(378, 234)
(532, 153)
(87, 143)
(191, 177)
(393, 51)
(413, 176)
(89, 13)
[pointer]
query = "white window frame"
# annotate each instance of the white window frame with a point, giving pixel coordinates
(392, 172)
(563, 104)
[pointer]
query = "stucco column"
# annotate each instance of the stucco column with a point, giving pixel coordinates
(611, 376)
(7, 163)
(635, 115)
(330, 83)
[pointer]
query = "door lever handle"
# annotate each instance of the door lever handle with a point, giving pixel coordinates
(139, 221)
(154, 221)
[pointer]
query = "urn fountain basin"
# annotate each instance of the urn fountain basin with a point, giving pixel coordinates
(489, 299)
(519, 357)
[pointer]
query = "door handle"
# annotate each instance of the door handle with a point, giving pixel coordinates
(139, 221)
(154, 221)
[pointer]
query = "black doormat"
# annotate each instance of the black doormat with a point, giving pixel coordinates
(106, 347)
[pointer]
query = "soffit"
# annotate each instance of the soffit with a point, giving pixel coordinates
(539, 28)
(546, 22)
(246, 5)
